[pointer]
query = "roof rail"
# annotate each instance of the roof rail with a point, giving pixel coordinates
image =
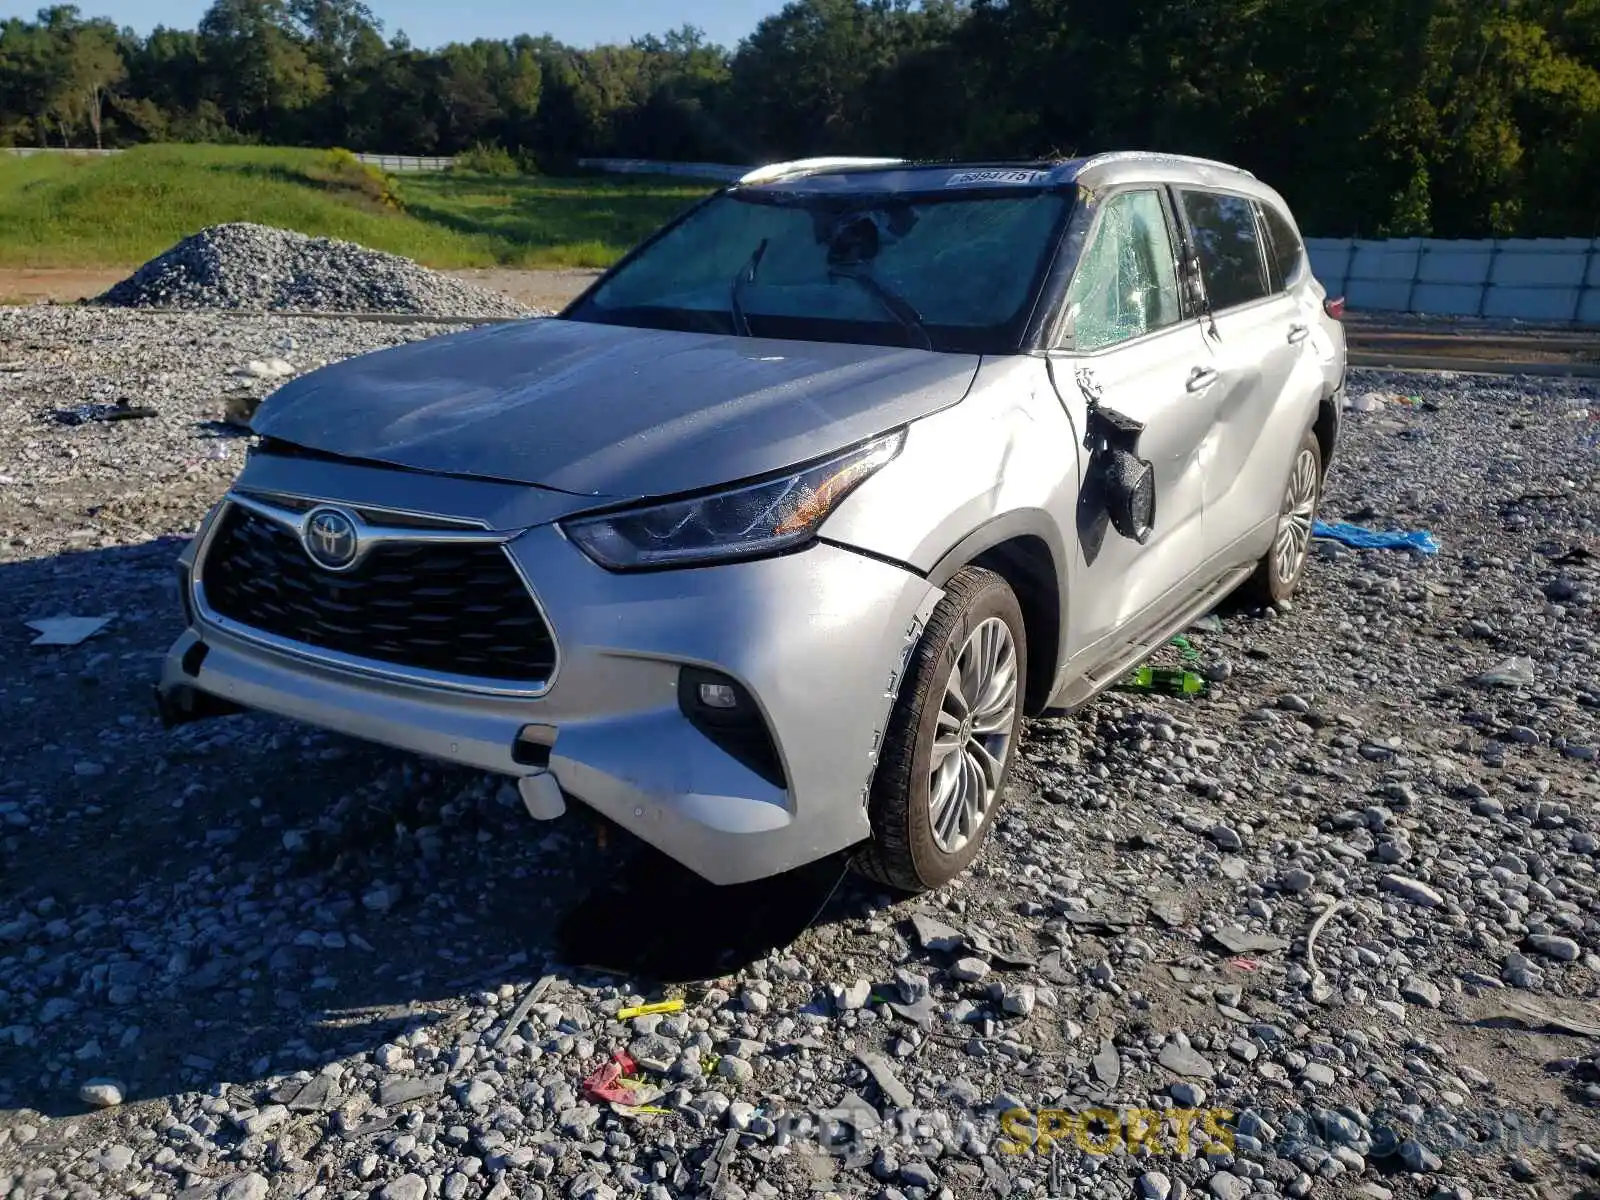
(812, 166)
(1094, 160)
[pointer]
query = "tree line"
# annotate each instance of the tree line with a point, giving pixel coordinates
(1455, 118)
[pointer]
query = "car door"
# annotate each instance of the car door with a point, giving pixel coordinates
(1256, 334)
(1127, 345)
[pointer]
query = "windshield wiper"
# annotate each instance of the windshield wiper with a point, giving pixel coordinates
(746, 275)
(910, 319)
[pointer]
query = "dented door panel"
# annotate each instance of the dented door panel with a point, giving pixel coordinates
(1150, 381)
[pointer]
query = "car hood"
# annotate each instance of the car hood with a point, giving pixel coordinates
(606, 410)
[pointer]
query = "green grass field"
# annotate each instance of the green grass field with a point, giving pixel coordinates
(121, 210)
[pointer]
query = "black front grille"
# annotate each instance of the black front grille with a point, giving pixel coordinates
(456, 608)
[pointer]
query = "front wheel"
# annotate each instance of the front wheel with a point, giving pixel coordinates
(951, 737)
(1278, 574)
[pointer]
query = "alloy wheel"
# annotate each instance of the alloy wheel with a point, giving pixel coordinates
(1294, 523)
(972, 737)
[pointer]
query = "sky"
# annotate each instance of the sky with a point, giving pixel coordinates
(429, 23)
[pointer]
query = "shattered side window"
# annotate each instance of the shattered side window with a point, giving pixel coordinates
(1126, 284)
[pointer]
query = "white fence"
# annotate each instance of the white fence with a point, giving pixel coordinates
(406, 162)
(384, 162)
(1530, 279)
(30, 151)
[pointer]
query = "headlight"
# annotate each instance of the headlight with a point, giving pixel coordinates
(742, 522)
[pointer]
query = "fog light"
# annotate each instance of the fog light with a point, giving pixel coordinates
(718, 695)
(725, 712)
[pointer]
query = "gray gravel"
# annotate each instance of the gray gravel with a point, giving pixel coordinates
(290, 964)
(246, 266)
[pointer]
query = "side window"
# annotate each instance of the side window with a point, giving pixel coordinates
(1287, 252)
(1224, 231)
(1126, 283)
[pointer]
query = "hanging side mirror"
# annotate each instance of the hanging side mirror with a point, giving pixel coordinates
(1127, 482)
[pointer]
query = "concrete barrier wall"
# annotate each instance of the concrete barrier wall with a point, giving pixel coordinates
(1531, 279)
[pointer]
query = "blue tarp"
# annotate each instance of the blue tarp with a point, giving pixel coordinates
(1419, 540)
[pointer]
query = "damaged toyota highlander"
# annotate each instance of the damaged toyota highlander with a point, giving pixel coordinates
(764, 547)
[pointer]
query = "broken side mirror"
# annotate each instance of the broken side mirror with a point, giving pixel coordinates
(1127, 482)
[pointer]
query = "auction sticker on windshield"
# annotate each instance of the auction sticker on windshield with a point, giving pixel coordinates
(993, 175)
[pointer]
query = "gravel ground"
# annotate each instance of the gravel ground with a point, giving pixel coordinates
(244, 959)
(247, 266)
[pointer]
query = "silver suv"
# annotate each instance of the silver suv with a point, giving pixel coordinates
(765, 545)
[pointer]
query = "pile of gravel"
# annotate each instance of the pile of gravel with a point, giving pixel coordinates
(245, 266)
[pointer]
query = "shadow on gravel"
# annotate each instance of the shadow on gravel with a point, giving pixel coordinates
(661, 921)
(244, 897)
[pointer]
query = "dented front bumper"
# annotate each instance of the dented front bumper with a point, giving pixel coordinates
(815, 640)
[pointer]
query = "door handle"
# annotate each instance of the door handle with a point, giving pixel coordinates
(1298, 334)
(1201, 378)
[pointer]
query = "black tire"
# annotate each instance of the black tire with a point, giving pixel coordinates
(1271, 585)
(904, 852)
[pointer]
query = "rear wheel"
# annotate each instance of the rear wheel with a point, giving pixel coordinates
(952, 735)
(1278, 574)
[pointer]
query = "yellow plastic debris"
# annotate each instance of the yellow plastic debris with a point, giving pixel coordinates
(649, 1010)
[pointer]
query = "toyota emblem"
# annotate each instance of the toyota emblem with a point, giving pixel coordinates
(330, 539)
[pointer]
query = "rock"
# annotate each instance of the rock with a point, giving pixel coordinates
(969, 970)
(102, 1093)
(477, 1095)
(1181, 1060)
(918, 1175)
(579, 1120)
(1562, 949)
(1019, 1000)
(1107, 1065)
(1153, 1185)
(1296, 880)
(1241, 941)
(381, 897)
(251, 1187)
(934, 935)
(1319, 1073)
(1226, 1186)
(735, 1069)
(1411, 889)
(1421, 991)
(115, 1158)
(853, 997)
(407, 1187)
(1226, 837)
(392, 1092)
(914, 988)
(1418, 1157)
(1168, 910)
(1189, 1095)
(883, 1075)
(267, 1118)
(1514, 672)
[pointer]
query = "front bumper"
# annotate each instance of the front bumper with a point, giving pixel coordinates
(818, 639)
